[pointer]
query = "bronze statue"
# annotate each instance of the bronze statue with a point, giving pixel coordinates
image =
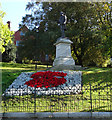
(62, 22)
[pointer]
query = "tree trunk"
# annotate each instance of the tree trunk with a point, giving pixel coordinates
(80, 60)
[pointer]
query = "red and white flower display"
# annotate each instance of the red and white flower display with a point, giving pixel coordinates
(47, 79)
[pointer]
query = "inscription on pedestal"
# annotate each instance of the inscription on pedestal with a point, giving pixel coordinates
(63, 53)
(63, 50)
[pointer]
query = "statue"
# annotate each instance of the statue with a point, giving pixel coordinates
(62, 22)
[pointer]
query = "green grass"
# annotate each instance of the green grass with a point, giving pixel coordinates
(101, 91)
(10, 71)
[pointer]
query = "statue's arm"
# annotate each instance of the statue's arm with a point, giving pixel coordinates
(65, 19)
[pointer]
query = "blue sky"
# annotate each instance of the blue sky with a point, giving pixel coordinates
(15, 10)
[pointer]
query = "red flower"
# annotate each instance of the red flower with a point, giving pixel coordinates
(47, 79)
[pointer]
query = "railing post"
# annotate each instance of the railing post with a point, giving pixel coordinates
(27, 98)
(35, 99)
(4, 101)
(90, 97)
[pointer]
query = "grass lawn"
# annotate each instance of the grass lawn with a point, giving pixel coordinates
(101, 92)
(10, 71)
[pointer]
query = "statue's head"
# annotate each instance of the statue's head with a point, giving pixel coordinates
(61, 13)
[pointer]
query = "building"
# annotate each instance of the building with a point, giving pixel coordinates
(19, 34)
(19, 37)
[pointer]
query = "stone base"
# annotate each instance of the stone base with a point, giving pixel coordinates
(66, 61)
(66, 67)
(63, 67)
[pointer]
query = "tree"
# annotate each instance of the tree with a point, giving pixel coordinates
(10, 53)
(84, 27)
(34, 44)
(38, 41)
(5, 34)
(105, 25)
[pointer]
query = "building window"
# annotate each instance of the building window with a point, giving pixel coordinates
(17, 43)
(22, 33)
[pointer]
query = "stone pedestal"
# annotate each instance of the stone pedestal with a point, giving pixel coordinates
(63, 54)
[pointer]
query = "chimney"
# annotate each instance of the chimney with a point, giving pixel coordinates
(8, 22)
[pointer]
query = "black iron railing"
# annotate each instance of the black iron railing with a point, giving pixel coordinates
(92, 97)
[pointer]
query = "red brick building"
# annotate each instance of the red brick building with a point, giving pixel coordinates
(18, 34)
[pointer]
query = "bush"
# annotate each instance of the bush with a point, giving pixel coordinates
(27, 61)
(92, 64)
(109, 64)
(10, 53)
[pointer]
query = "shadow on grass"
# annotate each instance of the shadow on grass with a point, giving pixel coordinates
(55, 103)
(100, 79)
(97, 78)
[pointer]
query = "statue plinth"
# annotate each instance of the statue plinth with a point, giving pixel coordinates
(63, 54)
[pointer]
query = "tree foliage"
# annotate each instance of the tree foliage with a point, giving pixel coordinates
(105, 25)
(34, 45)
(89, 27)
(5, 34)
(10, 53)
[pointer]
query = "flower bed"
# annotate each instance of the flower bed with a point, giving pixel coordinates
(70, 83)
(47, 79)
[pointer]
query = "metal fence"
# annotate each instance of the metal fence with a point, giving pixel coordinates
(92, 97)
